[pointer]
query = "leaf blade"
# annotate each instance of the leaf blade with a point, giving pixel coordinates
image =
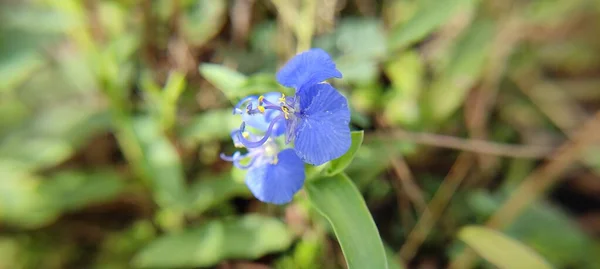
(341, 203)
(500, 249)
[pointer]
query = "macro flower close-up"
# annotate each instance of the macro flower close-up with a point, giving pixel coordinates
(299, 134)
(315, 122)
(316, 118)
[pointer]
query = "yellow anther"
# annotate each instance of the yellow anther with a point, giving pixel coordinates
(282, 98)
(260, 99)
(275, 160)
(261, 109)
(245, 134)
(286, 112)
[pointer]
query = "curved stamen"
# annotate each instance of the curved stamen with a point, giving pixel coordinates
(250, 164)
(236, 156)
(236, 108)
(254, 144)
(261, 109)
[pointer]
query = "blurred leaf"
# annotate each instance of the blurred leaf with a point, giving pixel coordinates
(247, 237)
(468, 59)
(358, 44)
(161, 164)
(20, 202)
(71, 190)
(118, 248)
(15, 69)
(214, 190)
(362, 38)
(211, 126)
(560, 240)
(338, 200)
(500, 250)
(9, 253)
(428, 18)
(338, 165)
(393, 261)
(203, 19)
(174, 87)
(230, 82)
(406, 72)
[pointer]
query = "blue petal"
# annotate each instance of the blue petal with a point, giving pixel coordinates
(307, 68)
(277, 183)
(323, 131)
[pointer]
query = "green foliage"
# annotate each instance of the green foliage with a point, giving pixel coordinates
(338, 200)
(247, 237)
(500, 250)
(113, 114)
(430, 16)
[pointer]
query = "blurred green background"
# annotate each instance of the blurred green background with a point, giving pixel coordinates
(113, 114)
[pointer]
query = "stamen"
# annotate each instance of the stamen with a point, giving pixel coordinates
(237, 157)
(236, 108)
(261, 109)
(286, 112)
(254, 144)
(275, 160)
(261, 99)
(245, 135)
(282, 98)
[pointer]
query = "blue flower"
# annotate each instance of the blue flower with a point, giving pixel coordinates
(273, 176)
(316, 118)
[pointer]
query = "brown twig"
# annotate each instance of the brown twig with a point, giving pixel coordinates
(470, 145)
(437, 206)
(407, 181)
(537, 183)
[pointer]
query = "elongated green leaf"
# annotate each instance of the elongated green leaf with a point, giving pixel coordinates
(72, 190)
(341, 203)
(429, 17)
(393, 262)
(462, 72)
(161, 163)
(229, 81)
(501, 250)
(338, 165)
(248, 237)
(211, 126)
(203, 19)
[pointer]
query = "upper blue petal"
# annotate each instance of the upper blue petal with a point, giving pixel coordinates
(262, 121)
(307, 68)
(323, 131)
(277, 183)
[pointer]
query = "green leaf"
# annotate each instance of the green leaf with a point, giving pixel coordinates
(500, 250)
(211, 126)
(248, 237)
(341, 203)
(429, 17)
(161, 163)
(71, 190)
(229, 81)
(393, 262)
(215, 190)
(338, 165)
(203, 19)
(462, 72)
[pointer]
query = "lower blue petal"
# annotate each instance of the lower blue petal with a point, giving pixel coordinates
(277, 183)
(323, 131)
